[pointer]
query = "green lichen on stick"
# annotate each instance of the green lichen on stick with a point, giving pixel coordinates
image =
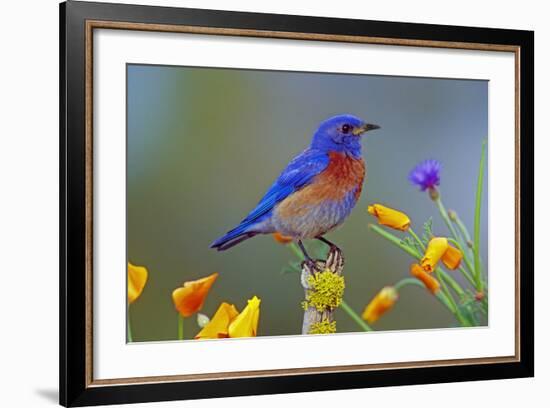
(323, 327)
(326, 290)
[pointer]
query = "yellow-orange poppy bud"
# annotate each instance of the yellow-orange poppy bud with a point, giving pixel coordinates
(246, 323)
(281, 239)
(137, 278)
(218, 327)
(452, 257)
(189, 298)
(428, 280)
(382, 302)
(435, 250)
(390, 217)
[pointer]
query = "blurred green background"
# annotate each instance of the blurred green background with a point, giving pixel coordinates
(204, 144)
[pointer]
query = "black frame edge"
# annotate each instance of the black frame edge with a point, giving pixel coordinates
(72, 387)
(72, 204)
(527, 197)
(62, 207)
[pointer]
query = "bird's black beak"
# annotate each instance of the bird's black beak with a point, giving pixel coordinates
(365, 128)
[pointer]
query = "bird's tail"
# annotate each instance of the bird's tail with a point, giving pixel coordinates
(232, 238)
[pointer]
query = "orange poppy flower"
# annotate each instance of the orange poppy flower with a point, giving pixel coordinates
(452, 257)
(435, 250)
(380, 304)
(227, 322)
(428, 280)
(390, 217)
(189, 298)
(218, 327)
(137, 278)
(246, 323)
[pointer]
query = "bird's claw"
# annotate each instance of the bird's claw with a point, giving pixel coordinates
(335, 260)
(311, 265)
(334, 263)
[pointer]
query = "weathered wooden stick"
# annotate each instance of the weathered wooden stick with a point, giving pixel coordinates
(312, 315)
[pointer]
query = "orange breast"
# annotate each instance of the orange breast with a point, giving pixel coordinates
(342, 175)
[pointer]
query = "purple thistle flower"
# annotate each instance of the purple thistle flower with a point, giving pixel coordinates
(426, 174)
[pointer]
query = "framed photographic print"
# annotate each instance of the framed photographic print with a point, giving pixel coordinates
(256, 203)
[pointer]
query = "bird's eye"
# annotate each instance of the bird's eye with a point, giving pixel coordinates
(346, 128)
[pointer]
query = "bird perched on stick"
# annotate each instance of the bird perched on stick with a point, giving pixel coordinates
(315, 192)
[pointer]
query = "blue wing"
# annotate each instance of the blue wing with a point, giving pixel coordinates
(299, 172)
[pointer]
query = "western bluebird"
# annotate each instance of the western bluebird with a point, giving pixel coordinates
(315, 192)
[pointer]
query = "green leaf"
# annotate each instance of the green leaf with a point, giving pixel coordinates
(477, 220)
(408, 241)
(427, 231)
(471, 309)
(292, 267)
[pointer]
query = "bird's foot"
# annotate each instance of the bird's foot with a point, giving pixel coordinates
(334, 263)
(311, 265)
(335, 259)
(332, 248)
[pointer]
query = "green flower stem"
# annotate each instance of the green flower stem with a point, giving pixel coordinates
(484, 307)
(180, 327)
(442, 297)
(448, 279)
(485, 303)
(297, 251)
(469, 244)
(465, 257)
(394, 240)
(464, 272)
(464, 231)
(129, 326)
(407, 282)
(477, 219)
(445, 215)
(345, 307)
(417, 239)
(456, 311)
(415, 282)
(446, 290)
(467, 275)
(355, 317)
(456, 241)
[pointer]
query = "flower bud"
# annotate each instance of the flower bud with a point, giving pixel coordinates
(390, 217)
(380, 304)
(428, 280)
(434, 194)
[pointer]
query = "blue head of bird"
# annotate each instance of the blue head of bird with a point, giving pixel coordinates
(341, 133)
